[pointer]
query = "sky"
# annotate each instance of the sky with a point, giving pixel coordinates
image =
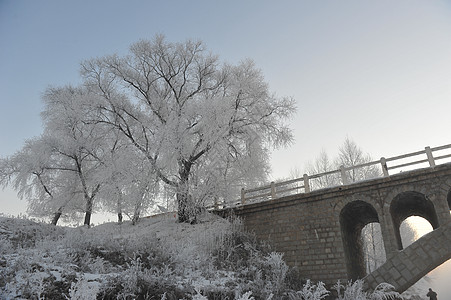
(377, 72)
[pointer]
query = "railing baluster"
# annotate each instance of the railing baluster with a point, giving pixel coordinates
(344, 177)
(384, 166)
(273, 190)
(430, 157)
(306, 184)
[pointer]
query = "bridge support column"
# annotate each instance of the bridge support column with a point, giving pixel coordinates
(441, 206)
(388, 232)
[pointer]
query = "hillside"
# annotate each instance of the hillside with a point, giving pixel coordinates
(156, 259)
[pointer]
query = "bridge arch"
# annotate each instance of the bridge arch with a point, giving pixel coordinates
(411, 203)
(353, 217)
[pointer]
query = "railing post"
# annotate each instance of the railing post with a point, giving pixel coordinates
(306, 184)
(344, 177)
(243, 198)
(430, 157)
(384, 166)
(273, 190)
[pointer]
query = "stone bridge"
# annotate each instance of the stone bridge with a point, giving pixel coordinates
(320, 232)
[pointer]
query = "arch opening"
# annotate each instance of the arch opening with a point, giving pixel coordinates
(413, 228)
(353, 218)
(409, 204)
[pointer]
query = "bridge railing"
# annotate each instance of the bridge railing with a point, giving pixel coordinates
(343, 176)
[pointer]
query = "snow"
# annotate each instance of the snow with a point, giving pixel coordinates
(157, 257)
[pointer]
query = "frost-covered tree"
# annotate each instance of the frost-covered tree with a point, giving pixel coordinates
(33, 173)
(373, 246)
(323, 164)
(197, 122)
(78, 144)
(351, 155)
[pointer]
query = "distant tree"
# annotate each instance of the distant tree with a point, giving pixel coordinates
(351, 155)
(199, 124)
(373, 246)
(322, 164)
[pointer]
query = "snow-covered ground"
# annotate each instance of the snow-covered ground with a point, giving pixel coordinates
(156, 259)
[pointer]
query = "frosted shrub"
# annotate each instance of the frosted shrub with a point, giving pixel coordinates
(199, 296)
(82, 290)
(384, 291)
(278, 270)
(6, 247)
(131, 276)
(355, 291)
(310, 291)
(246, 296)
(77, 239)
(26, 284)
(352, 291)
(97, 265)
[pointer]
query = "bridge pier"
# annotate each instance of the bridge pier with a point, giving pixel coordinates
(388, 233)
(442, 203)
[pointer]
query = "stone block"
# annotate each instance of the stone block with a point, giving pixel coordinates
(394, 273)
(406, 274)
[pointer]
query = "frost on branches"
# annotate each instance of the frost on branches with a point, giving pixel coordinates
(167, 120)
(205, 128)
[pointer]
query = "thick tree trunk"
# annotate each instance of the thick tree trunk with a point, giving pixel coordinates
(88, 218)
(183, 214)
(187, 210)
(135, 219)
(88, 211)
(185, 206)
(136, 213)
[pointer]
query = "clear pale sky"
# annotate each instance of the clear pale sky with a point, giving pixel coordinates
(378, 72)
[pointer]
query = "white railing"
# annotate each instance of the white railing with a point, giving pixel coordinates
(303, 184)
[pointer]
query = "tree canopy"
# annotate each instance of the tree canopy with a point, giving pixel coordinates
(188, 125)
